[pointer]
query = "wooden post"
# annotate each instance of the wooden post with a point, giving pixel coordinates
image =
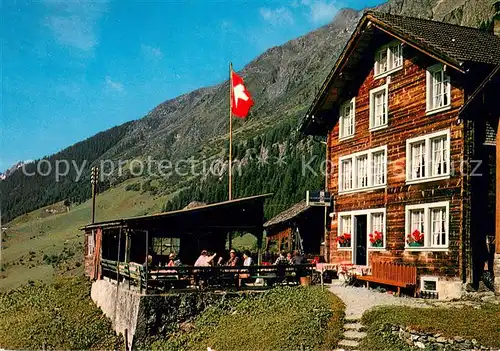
(497, 216)
(127, 246)
(94, 175)
(147, 261)
(118, 258)
(326, 226)
(259, 236)
(496, 257)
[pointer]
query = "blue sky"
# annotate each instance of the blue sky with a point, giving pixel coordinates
(73, 68)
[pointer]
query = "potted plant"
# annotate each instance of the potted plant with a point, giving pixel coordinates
(415, 239)
(376, 239)
(344, 240)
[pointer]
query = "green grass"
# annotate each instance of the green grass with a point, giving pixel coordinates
(282, 318)
(55, 316)
(482, 324)
(32, 236)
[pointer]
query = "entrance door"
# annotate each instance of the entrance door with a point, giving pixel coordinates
(361, 222)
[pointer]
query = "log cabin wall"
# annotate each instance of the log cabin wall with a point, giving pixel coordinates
(406, 119)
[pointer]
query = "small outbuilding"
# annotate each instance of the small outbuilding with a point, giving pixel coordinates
(300, 227)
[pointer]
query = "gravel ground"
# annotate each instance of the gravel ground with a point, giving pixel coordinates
(360, 300)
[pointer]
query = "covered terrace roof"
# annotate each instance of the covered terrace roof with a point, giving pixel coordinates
(243, 213)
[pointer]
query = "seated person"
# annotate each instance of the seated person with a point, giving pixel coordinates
(298, 258)
(204, 260)
(281, 260)
(148, 262)
(247, 260)
(234, 260)
(173, 260)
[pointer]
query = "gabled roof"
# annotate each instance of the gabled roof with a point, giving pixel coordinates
(456, 43)
(288, 214)
(453, 45)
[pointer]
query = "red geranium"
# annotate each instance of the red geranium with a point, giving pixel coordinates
(344, 240)
(376, 239)
(415, 238)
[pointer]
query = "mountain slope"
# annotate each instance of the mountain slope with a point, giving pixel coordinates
(283, 81)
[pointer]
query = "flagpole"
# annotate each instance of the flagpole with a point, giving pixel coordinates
(230, 131)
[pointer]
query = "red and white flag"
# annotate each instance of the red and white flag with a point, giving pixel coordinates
(241, 101)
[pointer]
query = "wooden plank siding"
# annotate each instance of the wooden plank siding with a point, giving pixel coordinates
(406, 119)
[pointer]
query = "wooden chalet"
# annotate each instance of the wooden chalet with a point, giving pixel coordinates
(412, 130)
(300, 227)
(184, 232)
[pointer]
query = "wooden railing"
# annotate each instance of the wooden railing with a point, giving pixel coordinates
(189, 277)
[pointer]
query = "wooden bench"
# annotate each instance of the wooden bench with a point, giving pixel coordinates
(393, 274)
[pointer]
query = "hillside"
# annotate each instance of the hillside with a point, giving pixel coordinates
(45, 243)
(283, 81)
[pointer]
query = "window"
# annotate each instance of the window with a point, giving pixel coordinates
(396, 51)
(379, 167)
(376, 237)
(90, 243)
(375, 230)
(428, 157)
(428, 284)
(427, 226)
(388, 59)
(378, 107)
(438, 88)
(363, 170)
(346, 174)
(347, 119)
(344, 236)
(381, 62)
(166, 246)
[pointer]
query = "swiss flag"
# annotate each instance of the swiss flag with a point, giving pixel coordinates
(241, 101)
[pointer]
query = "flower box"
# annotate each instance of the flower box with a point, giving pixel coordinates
(344, 240)
(415, 239)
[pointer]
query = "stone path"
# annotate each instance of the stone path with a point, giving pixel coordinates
(360, 300)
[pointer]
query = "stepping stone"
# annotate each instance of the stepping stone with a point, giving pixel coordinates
(353, 326)
(348, 344)
(352, 319)
(353, 334)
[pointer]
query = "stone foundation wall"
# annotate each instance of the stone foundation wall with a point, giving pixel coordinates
(119, 304)
(142, 316)
(496, 272)
(432, 341)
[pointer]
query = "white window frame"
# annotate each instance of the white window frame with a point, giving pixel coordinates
(90, 243)
(341, 231)
(373, 92)
(389, 59)
(429, 91)
(343, 136)
(353, 157)
(368, 213)
(431, 279)
(427, 207)
(427, 140)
